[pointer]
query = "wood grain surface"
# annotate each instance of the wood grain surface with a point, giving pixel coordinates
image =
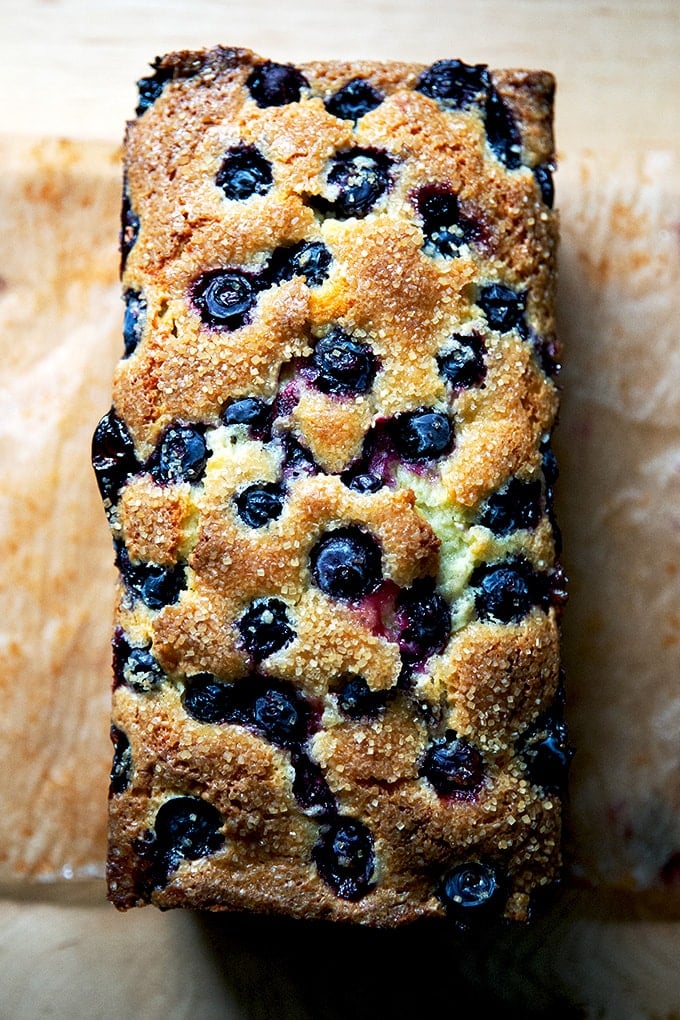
(609, 946)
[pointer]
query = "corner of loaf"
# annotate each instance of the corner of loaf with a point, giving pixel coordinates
(328, 474)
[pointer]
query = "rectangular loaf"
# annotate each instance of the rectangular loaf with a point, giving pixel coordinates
(328, 475)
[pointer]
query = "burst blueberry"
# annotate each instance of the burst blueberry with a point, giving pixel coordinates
(280, 715)
(445, 229)
(363, 482)
(135, 666)
(516, 506)
(503, 307)
(273, 84)
(265, 627)
(251, 412)
(502, 132)
(244, 172)
(133, 322)
(209, 700)
(188, 828)
(150, 88)
(544, 179)
(506, 591)
(225, 298)
(310, 259)
(346, 563)
(356, 181)
(546, 752)
(121, 768)
(310, 787)
(423, 434)
(462, 363)
(424, 620)
(344, 365)
(453, 766)
(355, 99)
(455, 84)
(113, 456)
(345, 857)
(181, 455)
(154, 585)
(260, 504)
(357, 700)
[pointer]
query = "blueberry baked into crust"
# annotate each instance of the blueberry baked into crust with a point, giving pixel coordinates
(328, 476)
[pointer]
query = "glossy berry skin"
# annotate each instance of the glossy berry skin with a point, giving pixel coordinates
(346, 563)
(453, 766)
(345, 859)
(517, 506)
(358, 701)
(445, 229)
(154, 585)
(121, 767)
(224, 298)
(503, 307)
(150, 88)
(113, 456)
(249, 411)
(280, 715)
(181, 455)
(502, 133)
(356, 181)
(244, 172)
(363, 482)
(135, 667)
(424, 434)
(260, 504)
(273, 84)
(265, 628)
(209, 700)
(133, 323)
(462, 362)
(471, 892)
(547, 754)
(188, 828)
(423, 617)
(506, 592)
(310, 788)
(544, 179)
(344, 366)
(310, 259)
(455, 84)
(355, 99)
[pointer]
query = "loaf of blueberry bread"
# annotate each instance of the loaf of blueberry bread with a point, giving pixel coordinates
(328, 475)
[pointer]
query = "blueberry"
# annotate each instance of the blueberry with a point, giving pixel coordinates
(280, 715)
(346, 563)
(134, 666)
(424, 621)
(265, 628)
(150, 88)
(133, 323)
(310, 787)
(453, 765)
(445, 229)
(506, 592)
(156, 586)
(189, 828)
(470, 891)
(356, 180)
(549, 464)
(544, 179)
(244, 172)
(310, 259)
(181, 455)
(357, 700)
(259, 504)
(354, 99)
(224, 298)
(208, 699)
(515, 507)
(546, 752)
(423, 434)
(113, 456)
(129, 227)
(344, 857)
(363, 482)
(502, 133)
(248, 411)
(461, 363)
(503, 307)
(455, 84)
(344, 365)
(121, 768)
(273, 84)
(297, 458)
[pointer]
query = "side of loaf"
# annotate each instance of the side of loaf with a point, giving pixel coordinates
(328, 475)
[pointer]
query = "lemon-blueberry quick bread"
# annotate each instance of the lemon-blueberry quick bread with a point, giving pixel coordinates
(328, 474)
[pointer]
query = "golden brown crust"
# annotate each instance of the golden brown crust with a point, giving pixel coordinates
(488, 681)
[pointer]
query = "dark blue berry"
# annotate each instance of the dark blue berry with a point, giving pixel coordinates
(181, 455)
(461, 363)
(345, 859)
(150, 88)
(310, 787)
(121, 767)
(356, 181)
(453, 766)
(423, 434)
(445, 229)
(502, 133)
(506, 592)
(135, 666)
(455, 84)
(129, 227)
(259, 504)
(516, 506)
(310, 259)
(424, 621)
(156, 586)
(346, 563)
(244, 172)
(297, 459)
(133, 323)
(249, 411)
(189, 828)
(470, 890)
(224, 298)
(280, 715)
(273, 84)
(503, 307)
(363, 482)
(357, 700)
(113, 456)
(544, 179)
(546, 752)
(208, 699)
(344, 365)
(265, 628)
(354, 99)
